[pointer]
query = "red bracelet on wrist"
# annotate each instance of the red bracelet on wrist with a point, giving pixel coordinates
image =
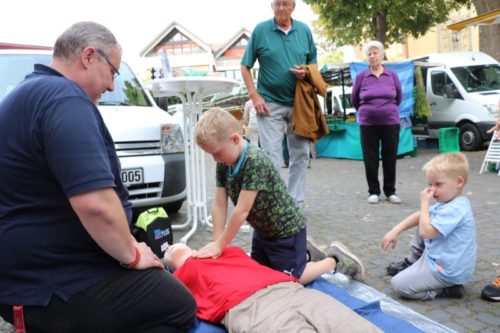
(134, 263)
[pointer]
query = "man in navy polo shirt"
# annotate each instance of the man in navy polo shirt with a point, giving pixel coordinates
(64, 214)
(280, 45)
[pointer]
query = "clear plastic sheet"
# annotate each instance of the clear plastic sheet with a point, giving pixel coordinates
(387, 304)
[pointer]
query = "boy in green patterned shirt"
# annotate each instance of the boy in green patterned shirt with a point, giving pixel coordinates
(260, 197)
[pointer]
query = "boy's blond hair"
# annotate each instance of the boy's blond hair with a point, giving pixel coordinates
(451, 164)
(215, 125)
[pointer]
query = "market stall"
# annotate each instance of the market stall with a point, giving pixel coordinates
(343, 140)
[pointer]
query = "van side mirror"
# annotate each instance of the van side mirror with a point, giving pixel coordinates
(450, 91)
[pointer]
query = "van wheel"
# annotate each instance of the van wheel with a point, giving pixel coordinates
(173, 207)
(469, 137)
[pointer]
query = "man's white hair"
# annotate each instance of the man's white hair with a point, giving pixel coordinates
(273, 1)
(373, 44)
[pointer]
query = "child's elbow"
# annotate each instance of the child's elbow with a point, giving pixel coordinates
(427, 233)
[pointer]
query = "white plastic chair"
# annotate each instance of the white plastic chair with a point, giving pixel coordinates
(492, 154)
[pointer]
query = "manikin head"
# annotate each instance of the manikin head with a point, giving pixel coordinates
(176, 255)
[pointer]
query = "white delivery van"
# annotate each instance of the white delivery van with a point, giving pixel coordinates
(463, 90)
(148, 140)
(337, 101)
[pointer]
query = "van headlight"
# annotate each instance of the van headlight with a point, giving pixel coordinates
(171, 139)
(492, 109)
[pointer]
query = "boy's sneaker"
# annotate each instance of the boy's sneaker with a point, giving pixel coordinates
(456, 291)
(313, 251)
(491, 292)
(347, 262)
(396, 267)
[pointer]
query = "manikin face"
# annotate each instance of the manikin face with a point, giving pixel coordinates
(445, 187)
(176, 255)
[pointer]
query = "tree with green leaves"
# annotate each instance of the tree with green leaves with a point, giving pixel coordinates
(488, 34)
(347, 22)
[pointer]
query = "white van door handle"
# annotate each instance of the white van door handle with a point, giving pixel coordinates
(433, 103)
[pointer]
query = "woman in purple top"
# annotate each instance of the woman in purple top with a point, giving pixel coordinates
(376, 96)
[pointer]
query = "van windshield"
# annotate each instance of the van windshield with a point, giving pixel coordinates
(478, 78)
(127, 91)
(14, 67)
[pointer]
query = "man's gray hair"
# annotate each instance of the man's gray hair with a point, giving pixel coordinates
(373, 44)
(273, 1)
(83, 34)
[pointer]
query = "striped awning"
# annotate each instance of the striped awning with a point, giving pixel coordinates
(492, 17)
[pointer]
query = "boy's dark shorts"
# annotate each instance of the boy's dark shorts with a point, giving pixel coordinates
(287, 254)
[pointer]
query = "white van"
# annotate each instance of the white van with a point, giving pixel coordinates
(148, 140)
(463, 90)
(337, 101)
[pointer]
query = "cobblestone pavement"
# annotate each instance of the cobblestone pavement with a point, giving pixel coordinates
(336, 209)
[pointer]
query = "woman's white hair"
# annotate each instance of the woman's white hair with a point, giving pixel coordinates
(373, 44)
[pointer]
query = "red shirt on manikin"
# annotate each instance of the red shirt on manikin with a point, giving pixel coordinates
(220, 284)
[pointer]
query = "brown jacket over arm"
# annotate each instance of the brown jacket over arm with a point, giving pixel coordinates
(308, 118)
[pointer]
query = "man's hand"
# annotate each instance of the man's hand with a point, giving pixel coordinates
(260, 105)
(299, 72)
(148, 258)
(211, 250)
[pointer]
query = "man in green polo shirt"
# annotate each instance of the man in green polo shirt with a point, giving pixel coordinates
(280, 45)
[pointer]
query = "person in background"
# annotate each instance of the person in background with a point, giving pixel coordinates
(69, 261)
(247, 176)
(273, 98)
(231, 287)
(443, 251)
(251, 128)
(376, 95)
(491, 292)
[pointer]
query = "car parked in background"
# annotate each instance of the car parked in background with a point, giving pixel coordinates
(463, 90)
(148, 140)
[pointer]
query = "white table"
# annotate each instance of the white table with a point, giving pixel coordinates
(191, 91)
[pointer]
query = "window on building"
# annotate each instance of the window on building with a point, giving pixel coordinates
(177, 44)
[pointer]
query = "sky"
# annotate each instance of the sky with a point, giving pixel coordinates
(135, 23)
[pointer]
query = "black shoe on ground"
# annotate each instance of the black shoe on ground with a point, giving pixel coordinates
(491, 292)
(396, 267)
(456, 291)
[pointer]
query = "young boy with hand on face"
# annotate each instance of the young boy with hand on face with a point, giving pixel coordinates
(246, 175)
(443, 251)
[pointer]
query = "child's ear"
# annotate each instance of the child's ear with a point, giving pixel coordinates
(460, 181)
(235, 137)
